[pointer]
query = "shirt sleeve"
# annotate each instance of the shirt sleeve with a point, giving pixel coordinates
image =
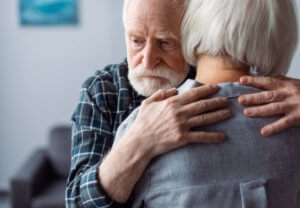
(91, 138)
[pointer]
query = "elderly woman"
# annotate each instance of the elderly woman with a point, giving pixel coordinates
(226, 40)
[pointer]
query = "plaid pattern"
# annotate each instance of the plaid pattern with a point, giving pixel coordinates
(106, 99)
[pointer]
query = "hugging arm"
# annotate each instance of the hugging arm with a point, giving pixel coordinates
(163, 123)
(91, 139)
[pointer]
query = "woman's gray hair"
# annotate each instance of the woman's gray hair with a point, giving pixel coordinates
(260, 33)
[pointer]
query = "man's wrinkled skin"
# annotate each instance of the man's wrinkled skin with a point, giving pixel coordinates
(281, 97)
(164, 122)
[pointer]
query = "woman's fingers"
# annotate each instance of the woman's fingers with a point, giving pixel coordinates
(262, 97)
(282, 97)
(271, 109)
(267, 83)
(277, 126)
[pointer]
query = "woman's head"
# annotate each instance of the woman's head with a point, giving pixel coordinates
(260, 33)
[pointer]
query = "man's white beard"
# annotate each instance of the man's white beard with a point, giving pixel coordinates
(145, 86)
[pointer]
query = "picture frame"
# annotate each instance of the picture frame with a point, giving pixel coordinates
(48, 12)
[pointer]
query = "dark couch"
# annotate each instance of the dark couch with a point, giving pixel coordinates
(40, 182)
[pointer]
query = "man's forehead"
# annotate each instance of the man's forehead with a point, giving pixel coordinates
(175, 4)
(156, 10)
(158, 16)
(164, 23)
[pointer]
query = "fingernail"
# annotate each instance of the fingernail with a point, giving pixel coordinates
(225, 137)
(265, 132)
(225, 100)
(228, 113)
(243, 80)
(214, 86)
(220, 138)
(247, 112)
(242, 100)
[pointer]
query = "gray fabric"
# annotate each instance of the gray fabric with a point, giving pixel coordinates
(246, 171)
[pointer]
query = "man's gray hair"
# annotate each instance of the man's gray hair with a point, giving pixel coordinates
(172, 2)
(260, 33)
(125, 8)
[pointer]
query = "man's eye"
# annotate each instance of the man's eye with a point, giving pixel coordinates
(137, 41)
(168, 45)
(164, 42)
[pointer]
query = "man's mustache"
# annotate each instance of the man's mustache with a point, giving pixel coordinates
(160, 71)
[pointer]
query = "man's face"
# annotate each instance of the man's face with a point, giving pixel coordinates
(153, 45)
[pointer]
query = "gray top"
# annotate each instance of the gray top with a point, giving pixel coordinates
(246, 171)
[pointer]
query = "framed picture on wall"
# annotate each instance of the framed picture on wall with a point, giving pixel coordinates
(48, 12)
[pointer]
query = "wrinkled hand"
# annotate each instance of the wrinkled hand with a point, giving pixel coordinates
(282, 97)
(165, 120)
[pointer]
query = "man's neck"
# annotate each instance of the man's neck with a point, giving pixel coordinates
(217, 69)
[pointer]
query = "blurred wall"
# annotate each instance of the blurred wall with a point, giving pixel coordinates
(295, 66)
(41, 70)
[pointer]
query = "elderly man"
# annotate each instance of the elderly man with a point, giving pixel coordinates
(165, 119)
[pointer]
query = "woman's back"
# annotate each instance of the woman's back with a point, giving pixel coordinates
(247, 170)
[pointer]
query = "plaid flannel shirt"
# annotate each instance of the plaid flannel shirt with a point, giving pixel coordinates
(106, 99)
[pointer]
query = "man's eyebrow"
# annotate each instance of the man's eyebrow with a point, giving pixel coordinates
(134, 33)
(166, 35)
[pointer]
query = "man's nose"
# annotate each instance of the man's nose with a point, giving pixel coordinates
(151, 56)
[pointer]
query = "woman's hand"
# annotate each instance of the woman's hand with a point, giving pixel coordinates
(282, 97)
